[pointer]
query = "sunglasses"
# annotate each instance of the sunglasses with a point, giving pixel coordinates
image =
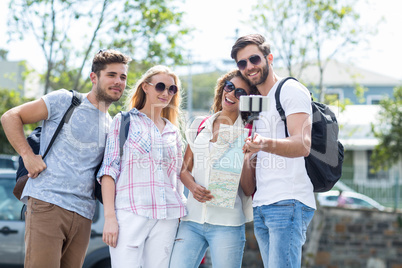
(160, 87)
(229, 87)
(254, 59)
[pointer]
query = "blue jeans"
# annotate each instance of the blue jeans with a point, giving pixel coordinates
(226, 245)
(280, 229)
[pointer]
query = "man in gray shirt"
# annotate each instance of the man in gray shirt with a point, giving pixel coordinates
(59, 192)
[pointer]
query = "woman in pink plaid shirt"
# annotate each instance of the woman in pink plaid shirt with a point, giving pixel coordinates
(142, 192)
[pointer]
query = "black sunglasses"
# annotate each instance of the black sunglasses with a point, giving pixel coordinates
(160, 87)
(229, 87)
(254, 59)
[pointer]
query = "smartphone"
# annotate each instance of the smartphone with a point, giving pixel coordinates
(253, 103)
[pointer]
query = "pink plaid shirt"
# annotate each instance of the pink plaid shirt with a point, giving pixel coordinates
(148, 179)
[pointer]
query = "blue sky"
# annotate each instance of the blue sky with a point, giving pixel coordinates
(216, 21)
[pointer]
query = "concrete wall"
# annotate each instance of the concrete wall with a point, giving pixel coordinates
(348, 238)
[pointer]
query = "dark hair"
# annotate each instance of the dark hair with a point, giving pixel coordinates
(220, 84)
(105, 57)
(251, 39)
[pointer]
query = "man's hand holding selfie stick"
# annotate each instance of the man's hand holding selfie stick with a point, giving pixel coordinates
(254, 105)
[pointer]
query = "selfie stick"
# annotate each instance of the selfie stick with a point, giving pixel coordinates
(254, 105)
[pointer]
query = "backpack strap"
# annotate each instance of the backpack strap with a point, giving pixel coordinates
(249, 126)
(201, 126)
(278, 102)
(124, 128)
(75, 101)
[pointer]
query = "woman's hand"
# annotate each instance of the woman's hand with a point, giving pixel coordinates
(201, 194)
(247, 177)
(110, 231)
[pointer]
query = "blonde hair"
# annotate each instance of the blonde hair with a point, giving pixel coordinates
(137, 97)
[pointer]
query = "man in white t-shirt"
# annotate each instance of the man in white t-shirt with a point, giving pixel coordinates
(283, 201)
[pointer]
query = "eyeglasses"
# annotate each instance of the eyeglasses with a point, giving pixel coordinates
(160, 87)
(254, 59)
(229, 87)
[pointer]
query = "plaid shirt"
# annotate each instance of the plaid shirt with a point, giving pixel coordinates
(148, 179)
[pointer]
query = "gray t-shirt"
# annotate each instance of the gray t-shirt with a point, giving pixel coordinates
(68, 180)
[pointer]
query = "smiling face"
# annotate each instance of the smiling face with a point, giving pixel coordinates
(255, 74)
(229, 101)
(111, 82)
(157, 98)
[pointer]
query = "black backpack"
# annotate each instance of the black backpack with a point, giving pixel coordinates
(34, 138)
(34, 141)
(124, 127)
(324, 163)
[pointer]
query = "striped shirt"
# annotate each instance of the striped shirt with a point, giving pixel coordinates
(148, 179)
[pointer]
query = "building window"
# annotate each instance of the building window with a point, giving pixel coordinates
(374, 99)
(334, 94)
(380, 175)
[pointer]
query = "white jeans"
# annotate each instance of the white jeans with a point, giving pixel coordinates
(143, 242)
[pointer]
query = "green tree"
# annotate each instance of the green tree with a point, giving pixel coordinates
(43, 19)
(71, 31)
(203, 89)
(281, 22)
(10, 99)
(388, 131)
(335, 27)
(309, 32)
(3, 54)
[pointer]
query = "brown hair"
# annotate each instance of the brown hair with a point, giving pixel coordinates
(105, 57)
(251, 39)
(138, 97)
(220, 84)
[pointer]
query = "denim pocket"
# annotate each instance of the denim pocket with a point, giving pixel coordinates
(307, 216)
(279, 215)
(289, 202)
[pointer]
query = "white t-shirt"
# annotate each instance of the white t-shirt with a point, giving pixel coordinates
(281, 178)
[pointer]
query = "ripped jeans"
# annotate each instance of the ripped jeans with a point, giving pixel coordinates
(143, 242)
(226, 245)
